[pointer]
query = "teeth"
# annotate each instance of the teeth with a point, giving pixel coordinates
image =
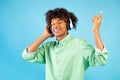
(56, 30)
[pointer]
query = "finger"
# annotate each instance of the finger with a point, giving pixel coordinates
(96, 18)
(101, 14)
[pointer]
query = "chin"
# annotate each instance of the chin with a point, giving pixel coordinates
(57, 35)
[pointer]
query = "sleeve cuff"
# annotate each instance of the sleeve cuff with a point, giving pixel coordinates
(99, 52)
(27, 55)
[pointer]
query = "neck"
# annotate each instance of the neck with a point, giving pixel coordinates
(59, 38)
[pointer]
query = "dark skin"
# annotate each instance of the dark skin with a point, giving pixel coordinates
(59, 30)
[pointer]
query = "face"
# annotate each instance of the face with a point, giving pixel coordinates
(59, 28)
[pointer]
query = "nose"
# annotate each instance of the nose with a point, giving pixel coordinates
(56, 25)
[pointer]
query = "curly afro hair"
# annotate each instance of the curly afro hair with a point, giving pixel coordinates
(62, 14)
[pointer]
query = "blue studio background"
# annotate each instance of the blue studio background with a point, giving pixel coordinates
(23, 21)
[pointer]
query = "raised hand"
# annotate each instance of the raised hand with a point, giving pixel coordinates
(47, 33)
(97, 21)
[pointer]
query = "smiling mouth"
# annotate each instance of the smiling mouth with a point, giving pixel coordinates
(57, 30)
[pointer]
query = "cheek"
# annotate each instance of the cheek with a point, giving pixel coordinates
(64, 27)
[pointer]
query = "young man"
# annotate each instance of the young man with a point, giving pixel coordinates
(68, 57)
